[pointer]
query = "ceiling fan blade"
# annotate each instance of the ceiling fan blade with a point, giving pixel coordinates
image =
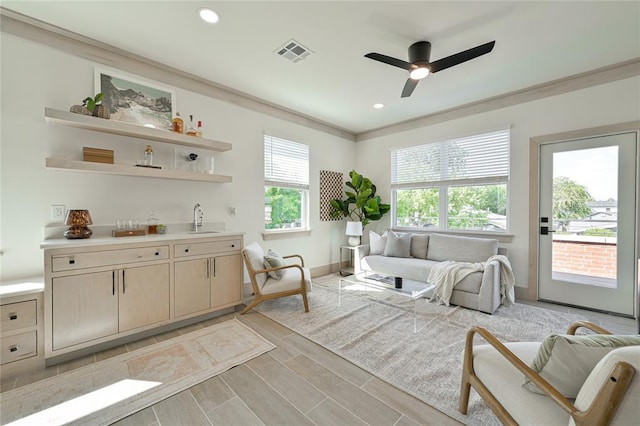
(409, 86)
(458, 58)
(389, 60)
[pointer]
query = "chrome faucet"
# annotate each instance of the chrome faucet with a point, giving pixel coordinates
(197, 216)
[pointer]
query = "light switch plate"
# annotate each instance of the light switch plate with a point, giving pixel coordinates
(57, 212)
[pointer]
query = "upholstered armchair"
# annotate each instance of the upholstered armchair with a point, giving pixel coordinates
(279, 280)
(558, 394)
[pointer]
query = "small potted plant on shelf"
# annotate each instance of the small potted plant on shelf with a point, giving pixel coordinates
(92, 106)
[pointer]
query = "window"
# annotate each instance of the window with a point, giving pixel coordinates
(457, 184)
(286, 184)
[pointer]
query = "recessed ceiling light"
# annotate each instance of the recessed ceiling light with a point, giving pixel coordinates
(209, 15)
(378, 106)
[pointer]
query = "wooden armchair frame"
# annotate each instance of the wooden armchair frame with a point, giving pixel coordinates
(601, 410)
(257, 291)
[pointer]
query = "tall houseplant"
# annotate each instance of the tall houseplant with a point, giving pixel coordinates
(362, 204)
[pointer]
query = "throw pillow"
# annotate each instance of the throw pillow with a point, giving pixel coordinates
(398, 245)
(377, 243)
(565, 361)
(419, 245)
(273, 260)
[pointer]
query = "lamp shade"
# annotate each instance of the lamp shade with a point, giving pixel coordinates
(78, 218)
(354, 229)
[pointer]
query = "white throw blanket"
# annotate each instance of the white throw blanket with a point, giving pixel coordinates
(446, 275)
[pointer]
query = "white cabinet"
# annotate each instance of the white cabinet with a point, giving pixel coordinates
(212, 282)
(21, 343)
(84, 308)
(96, 294)
(117, 128)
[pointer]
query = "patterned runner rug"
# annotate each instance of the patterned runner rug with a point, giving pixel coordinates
(375, 332)
(106, 391)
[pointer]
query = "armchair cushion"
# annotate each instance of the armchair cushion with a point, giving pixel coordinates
(629, 411)
(566, 361)
(290, 281)
(273, 260)
(255, 254)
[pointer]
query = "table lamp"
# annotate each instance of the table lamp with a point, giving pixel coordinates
(77, 220)
(354, 231)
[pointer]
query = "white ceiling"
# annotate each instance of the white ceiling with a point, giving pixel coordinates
(536, 42)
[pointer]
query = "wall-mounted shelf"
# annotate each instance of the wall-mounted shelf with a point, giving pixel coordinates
(87, 122)
(126, 170)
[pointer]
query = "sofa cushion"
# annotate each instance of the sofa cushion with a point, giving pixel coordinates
(460, 249)
(417, 270)
(566, 361)
(419, 245)
(398, 245)
(377, 242)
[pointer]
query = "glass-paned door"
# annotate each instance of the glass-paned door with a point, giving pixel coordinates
(587, 228)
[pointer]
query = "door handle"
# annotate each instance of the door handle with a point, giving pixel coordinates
(544, 230)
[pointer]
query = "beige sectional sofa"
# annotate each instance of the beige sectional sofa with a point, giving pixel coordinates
(411, 256)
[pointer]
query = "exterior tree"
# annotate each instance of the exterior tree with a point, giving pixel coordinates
(285, 206)
(570, 199)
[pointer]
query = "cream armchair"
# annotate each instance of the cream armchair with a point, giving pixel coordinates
(296, 279)
(497, 371)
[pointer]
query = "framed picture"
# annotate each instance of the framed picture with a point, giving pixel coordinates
(136, 100)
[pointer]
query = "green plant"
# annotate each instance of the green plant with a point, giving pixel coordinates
(91, 103)
(362, 204)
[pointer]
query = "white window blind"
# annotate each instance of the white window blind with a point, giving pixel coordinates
(286, 163)
(471, 160)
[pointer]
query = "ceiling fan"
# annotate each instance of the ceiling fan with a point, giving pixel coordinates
(419, 66)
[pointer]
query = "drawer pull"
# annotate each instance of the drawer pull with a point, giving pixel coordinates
(157, 253)
(13, 348)
(186, 250)
(233, 245)
(71, 261)
(13, 317)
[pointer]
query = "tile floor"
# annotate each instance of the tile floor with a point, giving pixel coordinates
(298, 383)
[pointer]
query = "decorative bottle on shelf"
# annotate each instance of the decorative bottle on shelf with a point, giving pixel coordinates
(148, 156)
(178, 123)
(199, 130)
(191, 128)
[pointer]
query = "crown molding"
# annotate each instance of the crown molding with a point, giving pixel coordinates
(76, 44)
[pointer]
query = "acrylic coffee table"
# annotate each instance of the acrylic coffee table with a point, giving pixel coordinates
(382, 282)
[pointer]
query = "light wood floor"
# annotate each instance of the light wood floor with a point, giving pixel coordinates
(298, 383)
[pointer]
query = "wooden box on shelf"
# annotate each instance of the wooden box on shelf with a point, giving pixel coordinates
(97, 155)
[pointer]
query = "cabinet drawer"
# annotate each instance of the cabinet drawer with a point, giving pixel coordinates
(70, 262)
(211, 247)
(18, 347)
(18, 315)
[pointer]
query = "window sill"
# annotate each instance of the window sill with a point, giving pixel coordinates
(281, 234)
(500, 236)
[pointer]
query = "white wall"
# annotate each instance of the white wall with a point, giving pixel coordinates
(34, 76)
(600, 105)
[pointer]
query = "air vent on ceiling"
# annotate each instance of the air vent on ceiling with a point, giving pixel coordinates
(293, 51)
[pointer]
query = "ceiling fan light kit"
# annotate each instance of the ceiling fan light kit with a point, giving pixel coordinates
(419, 66)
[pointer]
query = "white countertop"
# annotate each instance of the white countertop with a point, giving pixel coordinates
(102, 238)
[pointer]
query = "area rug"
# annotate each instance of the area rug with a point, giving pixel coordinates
(375, 332)
(106, 391)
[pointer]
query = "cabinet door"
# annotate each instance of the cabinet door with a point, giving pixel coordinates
(192, 286)
(226, 280)
(85, 307)
(144, 296)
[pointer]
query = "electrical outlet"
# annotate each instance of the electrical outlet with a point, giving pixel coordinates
(57, 212)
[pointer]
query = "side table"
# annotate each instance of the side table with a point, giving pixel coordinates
(350, 256)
